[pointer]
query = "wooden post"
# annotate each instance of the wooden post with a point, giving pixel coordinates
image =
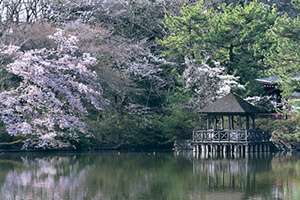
(247, 123)
(229, 122)
(268, 148)
(246, 148)
(215, 148)
(216, 122)
(223, 122)
(243, 150)
(253, 122)
(207, 122)
(234, 149)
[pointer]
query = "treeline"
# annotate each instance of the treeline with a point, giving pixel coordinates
(157, 62)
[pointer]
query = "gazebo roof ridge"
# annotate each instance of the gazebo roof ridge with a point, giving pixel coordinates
(230, 104)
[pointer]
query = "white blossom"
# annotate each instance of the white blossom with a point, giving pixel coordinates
(265, 103)
(207, 81)
(11, 49)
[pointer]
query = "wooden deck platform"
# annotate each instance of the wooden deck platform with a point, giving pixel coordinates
(230, 141)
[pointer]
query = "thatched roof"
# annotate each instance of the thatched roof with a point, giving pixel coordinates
(230, 104)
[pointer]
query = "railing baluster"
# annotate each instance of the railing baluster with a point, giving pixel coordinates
(229, 135)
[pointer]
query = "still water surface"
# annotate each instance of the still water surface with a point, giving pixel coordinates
(109, 176)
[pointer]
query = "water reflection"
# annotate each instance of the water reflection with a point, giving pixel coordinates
(147, 176)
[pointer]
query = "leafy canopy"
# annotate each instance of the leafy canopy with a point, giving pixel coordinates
(234, 35)
(284, 55)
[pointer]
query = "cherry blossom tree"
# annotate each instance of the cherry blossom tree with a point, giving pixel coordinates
(49, 105)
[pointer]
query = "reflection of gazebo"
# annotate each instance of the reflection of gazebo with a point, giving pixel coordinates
(230, 127)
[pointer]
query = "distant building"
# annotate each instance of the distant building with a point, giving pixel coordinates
(271, 88)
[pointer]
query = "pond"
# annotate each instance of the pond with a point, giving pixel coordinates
(147, 176)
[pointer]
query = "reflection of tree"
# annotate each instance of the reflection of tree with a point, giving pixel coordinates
(287, 170)
(141, 176)
(90, 177)
(45, 178)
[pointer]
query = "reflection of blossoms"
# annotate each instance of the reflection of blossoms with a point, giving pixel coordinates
(48, 104)
(207, 81)
(48, 181)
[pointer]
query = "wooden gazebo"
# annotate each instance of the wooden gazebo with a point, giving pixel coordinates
(230, 128)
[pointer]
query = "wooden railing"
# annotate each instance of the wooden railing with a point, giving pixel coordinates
(252, 135)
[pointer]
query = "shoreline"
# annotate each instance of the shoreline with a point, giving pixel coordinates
(152, 151)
